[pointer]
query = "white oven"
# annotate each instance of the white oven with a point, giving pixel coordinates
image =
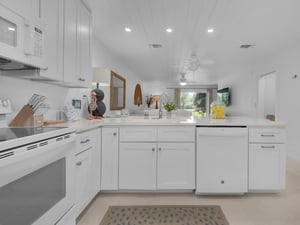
(36, 180)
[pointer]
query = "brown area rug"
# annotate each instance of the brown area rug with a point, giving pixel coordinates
(165, 215)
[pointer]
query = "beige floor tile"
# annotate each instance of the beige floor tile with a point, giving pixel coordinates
(250, 209)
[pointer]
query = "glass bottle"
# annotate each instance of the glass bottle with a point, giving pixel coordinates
(217, 110)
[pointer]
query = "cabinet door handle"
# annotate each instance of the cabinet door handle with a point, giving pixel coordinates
(159, 149)
(78, 163)
(153, 149)
(85, 141)
(115, 133)
(267, 135)
(81, 79)
(268, 146)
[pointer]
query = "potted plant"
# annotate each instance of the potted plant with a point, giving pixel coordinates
(149, 101)
(169, 107)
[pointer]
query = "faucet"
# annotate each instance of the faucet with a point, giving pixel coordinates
(159, 112)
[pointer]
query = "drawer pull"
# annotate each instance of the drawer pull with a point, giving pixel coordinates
(159, 149)
(267, 146)
(222, 181)
(115, 133)
(267, 135)
(78, 163)
(153, 149)
(85, 141)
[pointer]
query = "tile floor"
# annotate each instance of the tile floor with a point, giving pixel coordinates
(251, 209)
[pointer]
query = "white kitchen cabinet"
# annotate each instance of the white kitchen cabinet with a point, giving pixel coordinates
(156, 158)
(25, 8)
(222, 160)
(137, 168)
(87, 168)
(176, 166)
(77, 43)
(52, 12)
(267, 159)
(84, 38)
(110, 159)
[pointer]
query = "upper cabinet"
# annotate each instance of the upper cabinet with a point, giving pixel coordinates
(52, 12)
(26, 8)
(77, 43)
(68, 41)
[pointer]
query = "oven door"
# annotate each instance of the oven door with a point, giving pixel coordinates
(36, 182)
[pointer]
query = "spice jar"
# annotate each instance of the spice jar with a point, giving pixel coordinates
(217, 110)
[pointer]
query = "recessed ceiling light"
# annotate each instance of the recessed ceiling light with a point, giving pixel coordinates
(127, 29)
(210, 30)
(11, 28)
(169, 30)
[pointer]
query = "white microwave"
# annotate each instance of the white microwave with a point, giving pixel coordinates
(21, 42)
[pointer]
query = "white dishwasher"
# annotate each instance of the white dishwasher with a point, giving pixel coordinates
(222, 160)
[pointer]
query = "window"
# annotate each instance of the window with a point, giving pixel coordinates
(196, 101)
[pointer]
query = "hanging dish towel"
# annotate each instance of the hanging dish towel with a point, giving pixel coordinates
(138, 99)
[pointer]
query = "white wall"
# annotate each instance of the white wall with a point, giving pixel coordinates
(244, 85)
(104, 58)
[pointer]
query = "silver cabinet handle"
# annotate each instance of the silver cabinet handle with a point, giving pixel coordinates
(267, 146)
(81, 79)
(78, 163)
(85, 141)
(267, 135)
(153, 149)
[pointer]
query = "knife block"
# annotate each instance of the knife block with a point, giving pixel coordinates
(23, 118)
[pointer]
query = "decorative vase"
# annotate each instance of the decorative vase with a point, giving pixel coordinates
(170, 115)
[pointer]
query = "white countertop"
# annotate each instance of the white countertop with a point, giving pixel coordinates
(84, 124)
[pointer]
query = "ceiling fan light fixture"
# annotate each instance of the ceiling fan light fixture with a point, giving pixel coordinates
(210, 30)
(169, 30)
(182, 80)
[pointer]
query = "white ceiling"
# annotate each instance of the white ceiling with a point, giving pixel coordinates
(269, 24)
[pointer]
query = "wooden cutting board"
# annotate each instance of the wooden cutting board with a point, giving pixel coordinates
(53, 122)
(138, 98)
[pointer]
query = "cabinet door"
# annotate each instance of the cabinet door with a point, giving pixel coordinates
(70, 41)
(83, 165)
(109, 159)
(95, 172)
(25, 8)
(52, 12)
(176, 166)
(266, 166)
(84, 45)
(137, 166)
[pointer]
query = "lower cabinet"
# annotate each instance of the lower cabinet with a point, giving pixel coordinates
(87, 172)
(148, 162)
(110, 159)
(266, 166)
(267, 157)
(137, 166)
(176, 166)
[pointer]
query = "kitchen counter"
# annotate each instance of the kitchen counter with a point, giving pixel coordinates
(84, 124)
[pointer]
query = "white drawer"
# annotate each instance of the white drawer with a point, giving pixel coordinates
(267, 135)
(176, 134)
(85, 140)
(138, 134)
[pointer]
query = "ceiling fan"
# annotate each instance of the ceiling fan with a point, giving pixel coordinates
(182, 80)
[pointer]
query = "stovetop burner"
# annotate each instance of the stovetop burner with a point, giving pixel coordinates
(10, 133)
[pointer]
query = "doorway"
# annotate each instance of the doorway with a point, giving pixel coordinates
(267, 96)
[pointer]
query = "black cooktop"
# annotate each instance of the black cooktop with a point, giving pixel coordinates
(9, 133)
